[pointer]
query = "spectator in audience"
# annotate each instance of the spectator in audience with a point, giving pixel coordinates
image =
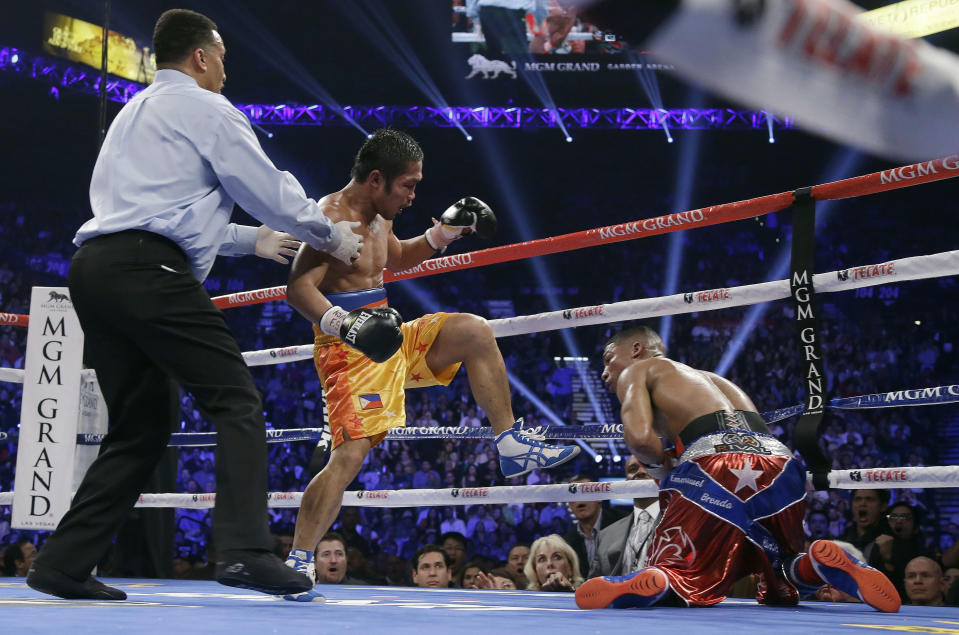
(431, 567)
(591, 517)
(282, 545)
(455, 546)
(951, 575)
(900, 545)
(553, 565)
(331, 561)
(426, 477)
(18, 557)
(469, 418)
(452, 522)
(924, 582)
(516, 559)
(623, 546)
(503, 580)
(472, 570)
(499, 578)
(561, 387)
(868, 511)
(479, 517)
(349, 529)
(817, 525)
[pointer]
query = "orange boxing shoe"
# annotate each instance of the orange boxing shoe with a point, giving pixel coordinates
(847, 573)
(636, 590)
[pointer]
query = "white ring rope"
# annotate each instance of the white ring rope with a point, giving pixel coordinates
(872, 478)
(15, 375)
(915, 268)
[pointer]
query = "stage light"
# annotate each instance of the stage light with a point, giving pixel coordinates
(469, 137)
(842, 165)
(14, 58)
(387, 37)
(682, 195)
(569, 139)
(769, 125)
(617, 458)
(598, 458)
(244, 25)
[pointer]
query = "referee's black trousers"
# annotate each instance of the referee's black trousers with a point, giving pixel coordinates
(150, 326)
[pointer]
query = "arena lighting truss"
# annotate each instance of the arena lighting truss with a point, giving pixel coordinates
(85, 80)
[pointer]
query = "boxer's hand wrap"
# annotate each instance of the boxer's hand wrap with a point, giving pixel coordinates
(374, 332)
(466, 216)
(658, 472)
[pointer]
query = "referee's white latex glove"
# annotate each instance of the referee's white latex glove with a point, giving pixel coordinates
(275, 245)
(350, 241)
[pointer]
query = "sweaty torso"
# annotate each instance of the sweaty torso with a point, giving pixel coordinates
(680, 394)
(366, 271)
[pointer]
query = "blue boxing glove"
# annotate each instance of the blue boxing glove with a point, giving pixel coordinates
(374, 332)
(466, 216)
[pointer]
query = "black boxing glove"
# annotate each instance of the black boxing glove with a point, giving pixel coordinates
(466, 216)
(374, 332)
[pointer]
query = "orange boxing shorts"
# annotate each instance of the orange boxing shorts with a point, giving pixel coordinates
(366, 399)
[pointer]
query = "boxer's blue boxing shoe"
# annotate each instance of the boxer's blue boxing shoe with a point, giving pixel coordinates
(634, 591)
(522, 451)
(849, 574)
(301, 561)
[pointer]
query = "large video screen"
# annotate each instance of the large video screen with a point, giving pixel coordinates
(543, 36)
(82, 42)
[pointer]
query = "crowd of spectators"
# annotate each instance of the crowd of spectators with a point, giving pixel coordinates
(873, 340)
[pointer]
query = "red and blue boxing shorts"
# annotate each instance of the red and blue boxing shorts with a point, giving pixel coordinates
(733, 506)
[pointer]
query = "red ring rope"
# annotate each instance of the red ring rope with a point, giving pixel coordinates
(883, 181)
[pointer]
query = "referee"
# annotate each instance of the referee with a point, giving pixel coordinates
(176, 159)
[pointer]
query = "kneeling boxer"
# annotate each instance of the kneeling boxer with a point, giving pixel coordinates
(366, 356)
(732, 504)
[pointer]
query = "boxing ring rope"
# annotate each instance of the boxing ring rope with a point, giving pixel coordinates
(882, 181)
(872, 478)
(915, 268)
(592, 432)
(919, 267)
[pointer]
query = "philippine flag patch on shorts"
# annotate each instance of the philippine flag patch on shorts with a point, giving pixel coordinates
(370, 401)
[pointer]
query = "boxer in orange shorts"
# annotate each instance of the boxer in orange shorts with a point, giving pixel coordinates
(366, 356)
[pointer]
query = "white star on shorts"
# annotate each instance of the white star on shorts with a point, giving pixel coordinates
(747, 477)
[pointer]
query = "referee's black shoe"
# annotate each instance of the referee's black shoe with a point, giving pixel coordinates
(53, 582)
(259, 570)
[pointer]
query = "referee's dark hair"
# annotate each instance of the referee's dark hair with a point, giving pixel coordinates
(179, 32)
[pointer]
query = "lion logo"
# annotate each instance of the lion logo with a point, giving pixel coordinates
(488, 67)
(454, 492)
(58, 297)
(843, 275)
(688, 298)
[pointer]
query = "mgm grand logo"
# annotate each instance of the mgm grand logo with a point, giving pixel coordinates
(843, 275)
